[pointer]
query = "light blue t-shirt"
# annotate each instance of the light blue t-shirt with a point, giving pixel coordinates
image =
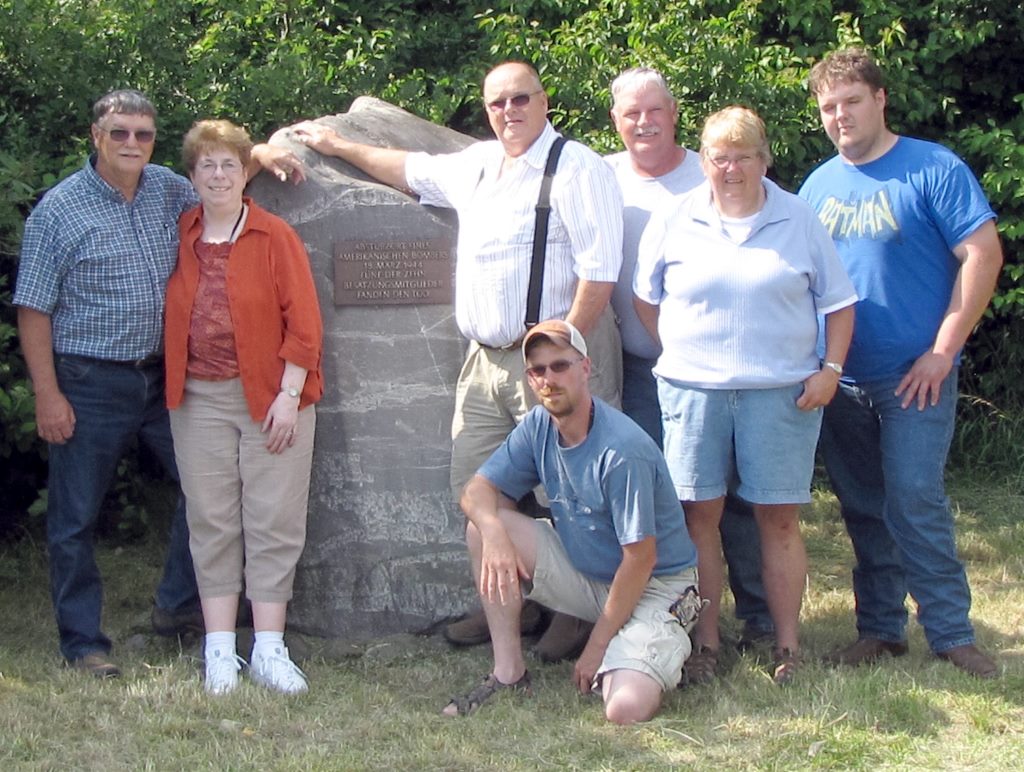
(641, 196)
(612, 489)
(739, 315)
(895, 222)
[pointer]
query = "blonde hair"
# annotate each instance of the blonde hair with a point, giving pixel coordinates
(205, 136)
(737, 126)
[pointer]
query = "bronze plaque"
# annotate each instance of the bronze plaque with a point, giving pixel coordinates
(373, 273)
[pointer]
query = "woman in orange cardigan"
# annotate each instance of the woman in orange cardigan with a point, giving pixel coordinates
(243, 343)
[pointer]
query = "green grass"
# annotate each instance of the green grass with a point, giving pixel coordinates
(376, 706)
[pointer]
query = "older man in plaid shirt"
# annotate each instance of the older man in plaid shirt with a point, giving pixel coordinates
(96, 256)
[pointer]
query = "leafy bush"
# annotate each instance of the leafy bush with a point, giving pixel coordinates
(954, 66)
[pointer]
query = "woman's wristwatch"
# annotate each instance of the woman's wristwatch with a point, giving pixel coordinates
(838, 368)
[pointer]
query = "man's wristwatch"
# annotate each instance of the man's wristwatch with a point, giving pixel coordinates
(291, 391)
(838, 368)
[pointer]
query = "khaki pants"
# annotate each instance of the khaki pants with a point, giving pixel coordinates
(246, 507)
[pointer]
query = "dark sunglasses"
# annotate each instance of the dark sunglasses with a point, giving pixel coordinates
(558, 366)
(519, 100)
(145, 136)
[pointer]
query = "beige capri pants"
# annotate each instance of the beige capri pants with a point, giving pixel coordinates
(246, 507)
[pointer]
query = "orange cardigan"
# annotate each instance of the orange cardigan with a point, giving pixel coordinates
(274, 309)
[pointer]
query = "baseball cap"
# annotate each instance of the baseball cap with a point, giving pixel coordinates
(556, 331)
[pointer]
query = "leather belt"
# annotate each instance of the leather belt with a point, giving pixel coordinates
(508, 347)
(138, 364)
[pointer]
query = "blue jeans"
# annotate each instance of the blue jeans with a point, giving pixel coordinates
(640, 394)
(887, 466)
(113, 403)
(741, 541)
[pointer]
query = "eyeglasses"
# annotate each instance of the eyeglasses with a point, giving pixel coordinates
(518, 100)
(743, 161)
(144, 136)
(558, 366)
(228, 167)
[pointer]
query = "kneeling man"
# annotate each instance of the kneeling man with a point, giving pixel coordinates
(618, 552)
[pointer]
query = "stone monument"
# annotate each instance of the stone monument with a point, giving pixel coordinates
(384, 547)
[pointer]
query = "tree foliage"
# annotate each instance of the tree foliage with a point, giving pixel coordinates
(954, 67)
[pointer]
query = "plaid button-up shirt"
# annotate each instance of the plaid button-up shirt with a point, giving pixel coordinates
(98, 264)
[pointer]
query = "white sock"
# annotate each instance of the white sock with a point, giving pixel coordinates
(220, 645)
(266, 641)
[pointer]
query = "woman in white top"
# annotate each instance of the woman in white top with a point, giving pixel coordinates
(732, 278)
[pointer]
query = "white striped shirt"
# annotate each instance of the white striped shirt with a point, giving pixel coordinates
(496, 222)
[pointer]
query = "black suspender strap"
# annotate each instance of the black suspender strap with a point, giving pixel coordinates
(540, 235)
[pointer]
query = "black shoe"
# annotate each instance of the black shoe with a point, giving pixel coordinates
(177, 623)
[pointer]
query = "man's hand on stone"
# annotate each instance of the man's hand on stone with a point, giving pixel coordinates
(55, 418)
(320, 138)
(280, 162)
(923, 382)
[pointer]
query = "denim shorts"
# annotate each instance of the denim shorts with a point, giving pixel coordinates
(652, 641)
(758, 434)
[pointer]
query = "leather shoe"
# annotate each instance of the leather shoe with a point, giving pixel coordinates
(866, 650)
(95, 663)
(565, 638)
(472, 629)
(177, 623)
(970, 659)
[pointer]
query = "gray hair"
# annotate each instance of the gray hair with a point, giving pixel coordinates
(124, 102)
(637, 78)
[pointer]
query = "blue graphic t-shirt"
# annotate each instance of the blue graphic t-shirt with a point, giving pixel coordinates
(613, 488)
(895, 222)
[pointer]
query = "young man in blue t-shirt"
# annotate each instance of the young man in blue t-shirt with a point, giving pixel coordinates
(919, 241)
(617, 554)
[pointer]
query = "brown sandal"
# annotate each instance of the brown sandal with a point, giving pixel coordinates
(486, 689)
(701, 667)
(784, 666)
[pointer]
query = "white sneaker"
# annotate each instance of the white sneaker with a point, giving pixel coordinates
(276, 671)
(222, 671)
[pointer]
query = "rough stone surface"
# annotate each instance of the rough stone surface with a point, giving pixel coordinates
(384, 548)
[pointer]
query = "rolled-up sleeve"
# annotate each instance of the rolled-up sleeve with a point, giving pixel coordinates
(303, 327)
(587, 199)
